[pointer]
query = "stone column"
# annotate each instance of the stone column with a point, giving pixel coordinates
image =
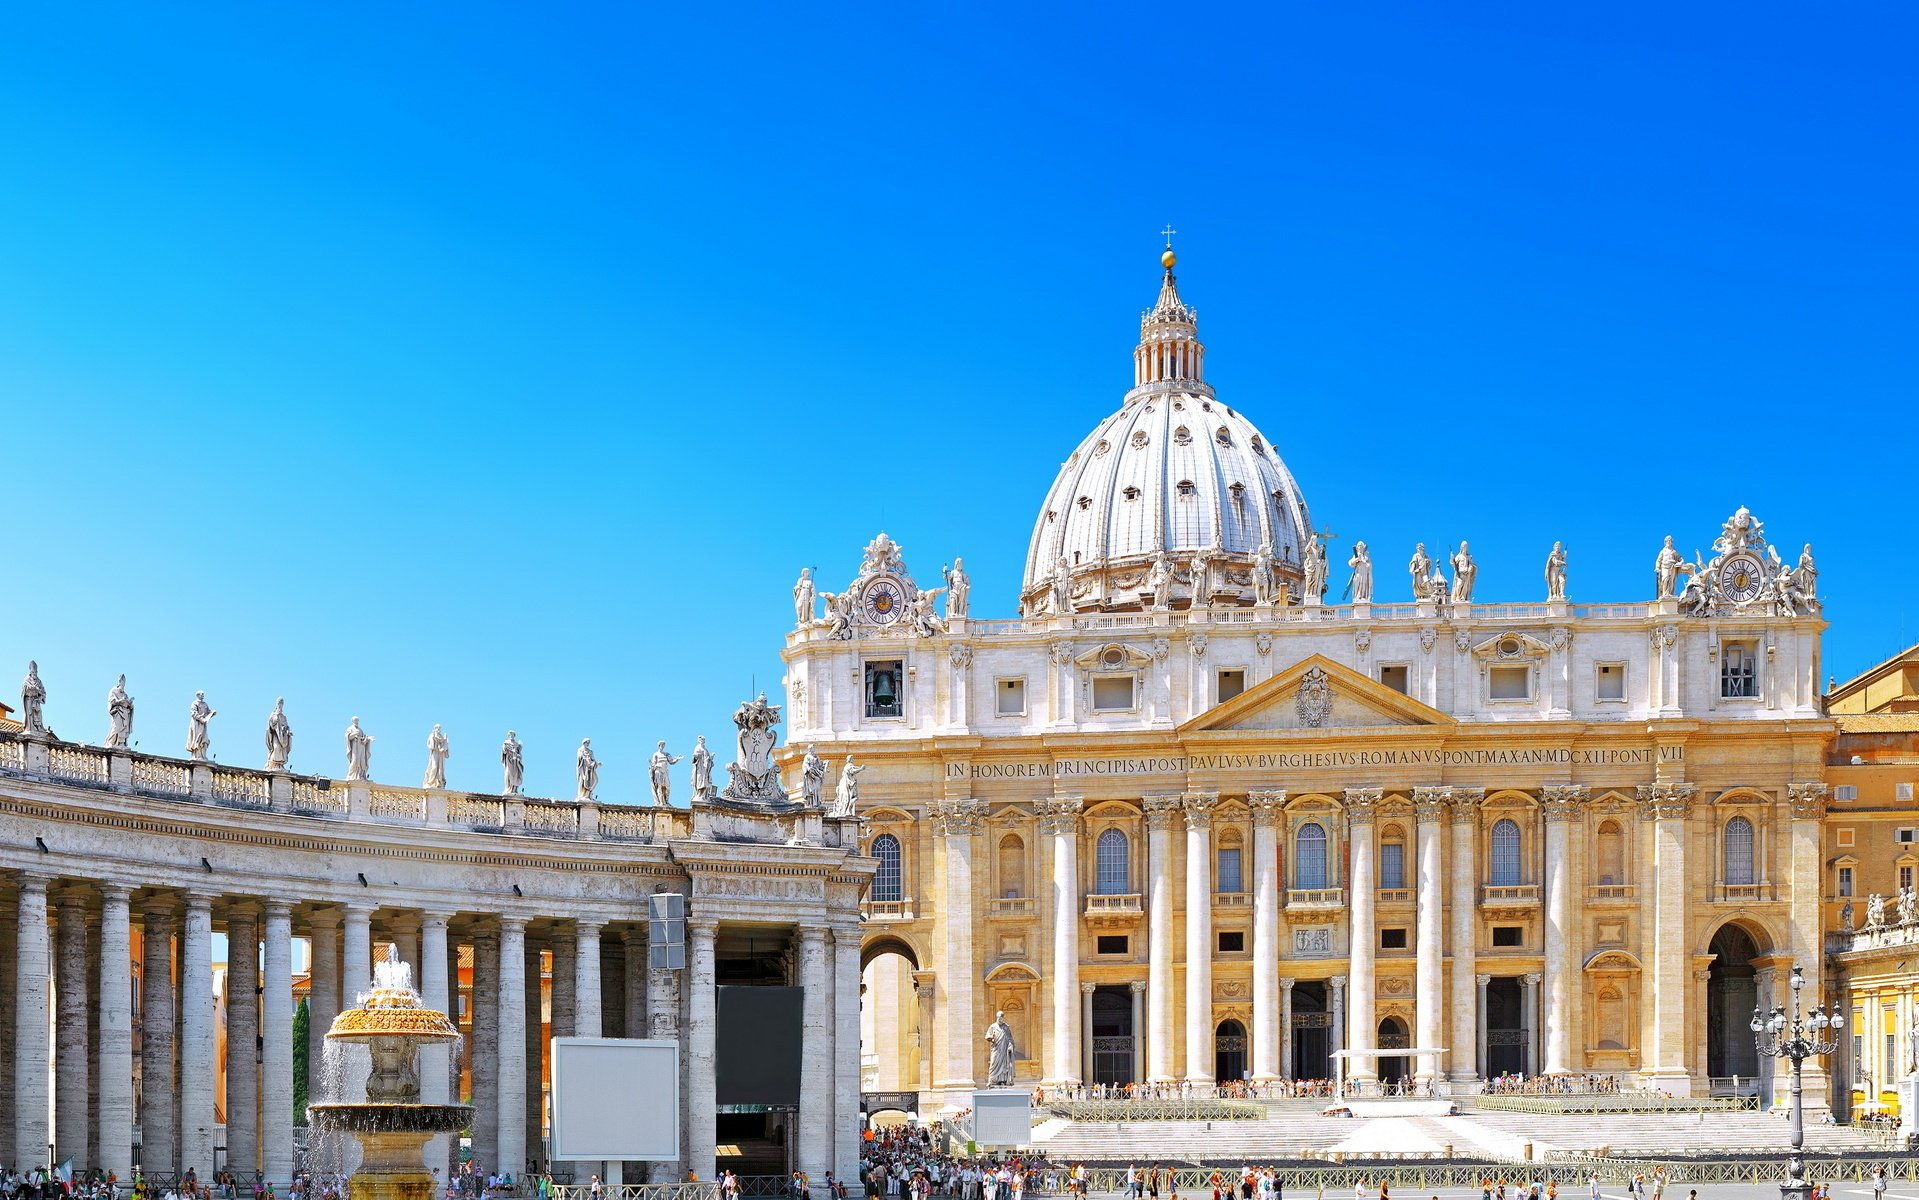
(1564, 807)
(846, 1044)
(638, 1005)
(1805, 878)
(484, 1067)
(1529, 1019)
(1762, 999)
(356, 954)
(1362, 1026)
(535, 1103)
(436, 991)
(959, 820)
(1669, 807)
(1137, 992)
(70, 1083)
(1481, 983)
(115, 1084)
(701, 1035)
(405, 932)
(1286, 1025)
(323, 990)
(1468, 999)
(1199, 937)
(925, 983)
(1337, 987)
(196, 1037)
(1086, 991)
(276, 1046)
(1059, 820)
(1429, 966)
(243, 1038)
(1272, 1035)
(586, 979)
(157, 1153)
(816, 1064)
(30, 1023)
(9, 932)
(511, 1047)
(1160, 812)
(93, 1033)
(663, 993)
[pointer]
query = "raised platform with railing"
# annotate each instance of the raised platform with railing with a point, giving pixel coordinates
(1174, 1109)
(1589, 1103)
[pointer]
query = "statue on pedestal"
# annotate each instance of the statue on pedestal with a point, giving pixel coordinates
(1313, 587)
(847, 799)
(812, 780)
(279, 736)
(119, 715)
(659, 774)
(702, 770)
(1875, 911)
(512, 764)
(1420, 567)
(958, 590)
(586, 769)
(1908, 906)
(198, 742)
(437, 750)
(1362, 564)
(753, 776)
(33, 702)
(359, 751)
(999, 1064)
(1465, 572)
(1665, 570)
(803, 598)
(1263, 574)
(1159, 579)
(1556, 573)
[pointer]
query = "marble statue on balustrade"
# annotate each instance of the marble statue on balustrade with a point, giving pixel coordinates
(1263, 573)
(279, 736)
(921, 617)
(1908, 906)
(846, 801)
(359, 751)
(199, 741)
(1556, 572)
(999, 1062)
(959, 589)
(1465, 574)
(436, 754)
(1420, 567)
(1361, 585)
(753, 776)
(512, 764)
(1159, 580)
(33, 702)
(702, 760)
(659, 772)
(586, 769)
(1875, 911)
(1665, 570)
(1845, 916)
(813, 780)
(803, 598)
(119, 716)
(1063, 588)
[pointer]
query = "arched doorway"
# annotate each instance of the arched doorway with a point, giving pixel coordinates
(1732, 991)
(892, 1047)
(1394, 1071)
(1312, 1032)
(1229, 1051)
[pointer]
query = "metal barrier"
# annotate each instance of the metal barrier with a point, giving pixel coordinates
(1111, 1111)
(1613, 1102)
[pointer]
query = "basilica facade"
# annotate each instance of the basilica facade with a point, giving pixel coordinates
(1184, 818)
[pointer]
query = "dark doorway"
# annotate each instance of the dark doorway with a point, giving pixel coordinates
(1506, 1049)
(1312, 1032)
(1394, 1070)
(1113, 1037)
(1229, 1051)
(1732, 993)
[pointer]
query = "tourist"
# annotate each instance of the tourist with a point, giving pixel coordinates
(1879, 1183)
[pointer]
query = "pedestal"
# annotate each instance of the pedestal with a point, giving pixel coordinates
(1908, 1109)
(1002, 1117)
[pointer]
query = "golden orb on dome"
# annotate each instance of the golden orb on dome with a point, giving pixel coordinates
(1168, 259)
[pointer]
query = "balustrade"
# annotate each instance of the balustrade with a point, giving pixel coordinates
(1126, 903)
(887, 910)
(550, 816)
(481, 812)
(1316, 898)
(394, 804)
(245, 789)
(158, 777)
(79, 764)
(1508, 894)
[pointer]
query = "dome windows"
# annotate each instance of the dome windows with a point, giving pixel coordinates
(1101, 448)
(1224, 437)
(1141, 439)
(1084, 502)
(1238, 491)
(1131, 493)
(1186, 489)
(1259, 447)
(1182, 436)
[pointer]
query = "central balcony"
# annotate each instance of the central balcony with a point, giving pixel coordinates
(887, 910)
(1113, 909)
(1510, 895)
(1316, 898)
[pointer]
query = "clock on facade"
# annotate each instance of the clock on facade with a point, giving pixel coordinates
(884, 601)
(1740, 578)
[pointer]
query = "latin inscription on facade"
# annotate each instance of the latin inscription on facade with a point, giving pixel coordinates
(1176, 764)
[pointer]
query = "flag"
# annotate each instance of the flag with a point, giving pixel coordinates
(65, 1170)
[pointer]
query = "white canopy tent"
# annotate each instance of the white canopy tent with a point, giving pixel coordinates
(1341, 1057)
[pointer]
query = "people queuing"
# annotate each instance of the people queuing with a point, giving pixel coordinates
(907, 1164)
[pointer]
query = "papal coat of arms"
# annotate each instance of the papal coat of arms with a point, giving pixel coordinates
(1315, 698)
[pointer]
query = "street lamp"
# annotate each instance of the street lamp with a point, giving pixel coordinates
(1797, 1039)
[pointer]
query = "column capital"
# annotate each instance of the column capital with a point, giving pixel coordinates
(71, 895)
(1136, 986)
(279, 910)
(200, 901)
(1808, 801)
(159, 907)
(1059, 815)
(1563, 802)
(1337, 983)
(704, 926)
(118, 893)
(322, 916)
(1286, 981)
(811, 933)
(1430, 803)
(1161, 809)
(1531, 980)
(1360, 803)
(1087, 989)
(1268, 806)
(1666, 801)
(510, 921)
(435, 918)
(1199, 808)
(959, 817)
(33, 881)
(1483, 980)
(244, 909)
(359, 908)
(1466, 800)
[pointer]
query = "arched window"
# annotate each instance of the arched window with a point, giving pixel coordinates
(1392, 859)
(1309, 856)
(887, 881)
(1738, 851)
(1012, 866)
(1113, 872)
(1505, 854)
(1612, 853)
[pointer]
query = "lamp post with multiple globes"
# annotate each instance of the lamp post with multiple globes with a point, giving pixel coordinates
(1796, 1038)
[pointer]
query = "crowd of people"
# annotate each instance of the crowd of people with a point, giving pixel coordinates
(1511, 1084)
(907, 1164)
(1237, 1089)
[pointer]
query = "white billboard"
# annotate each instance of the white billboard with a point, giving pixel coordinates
(616, 1098)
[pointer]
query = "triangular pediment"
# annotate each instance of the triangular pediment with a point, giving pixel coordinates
(1316, 693)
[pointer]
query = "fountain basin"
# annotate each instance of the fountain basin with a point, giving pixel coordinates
(427, 1119)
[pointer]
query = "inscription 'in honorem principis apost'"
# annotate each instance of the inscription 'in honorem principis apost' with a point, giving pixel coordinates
(1173, 764)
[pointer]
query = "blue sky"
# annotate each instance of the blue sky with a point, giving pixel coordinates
(499, 365)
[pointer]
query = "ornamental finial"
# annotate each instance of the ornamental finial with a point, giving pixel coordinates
(1168, 258)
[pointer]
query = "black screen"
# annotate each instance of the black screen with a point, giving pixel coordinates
(757, 1055)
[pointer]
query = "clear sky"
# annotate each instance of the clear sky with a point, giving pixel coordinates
(500, 365)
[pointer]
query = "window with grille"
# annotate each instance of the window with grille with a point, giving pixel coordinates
(1230, 881)
(1505, 854)
(1739, 851)
(1309, 856)
(887, 881)
(1738, 671)
(1113, 874)
(1392, 865)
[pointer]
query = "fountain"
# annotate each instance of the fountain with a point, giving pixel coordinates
(392, 1126)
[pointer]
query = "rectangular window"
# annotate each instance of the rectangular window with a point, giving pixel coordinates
(1609, 681)
(1392, 939)
(1009, 698)
(1112, 693)
(1509, 935)
(1738, 670)
(1230, 684)
(885, 688)
(1112, 943)
(1232, 941)
(1393, 675)
(1510, 683)
(1902, 791)
(1392, 865)
(1230, 881)
(1905, 878)
(1904, 835)
(1845, 881)
(1846, 791)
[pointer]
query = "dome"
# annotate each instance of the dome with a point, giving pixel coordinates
(1176, 473)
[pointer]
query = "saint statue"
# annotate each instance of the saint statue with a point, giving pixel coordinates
(803, 598)
(1419, 567)
(1908, 906)
(1804, 587)
(1845, 916)
(1465, 572)
(1263, 573)
(513, 763)
(1875, 911)
(1665, 570)
(33, 701)
(999, 1065)
(1362, 564)
(198, 743)
(436, 752)
(1313, 589)
(813, 780)
(1556, 572)
(587, 768)
(279, 736)
(846, 800)
(1159, 578)
(958, 588)
(659, 773)
(1062, 588)
(359, 750)
(702, 770)
(119, 715)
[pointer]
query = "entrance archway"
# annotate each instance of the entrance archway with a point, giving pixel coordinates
(1114, 1046)
(1732, 991)
(1229, 1051)
(1506, 1048)
(892, 1044)
(1394, 1071)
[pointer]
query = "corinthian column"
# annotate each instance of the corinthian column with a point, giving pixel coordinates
(1466, 1003)
(1160, 811)
(1270, 1035)
(1362, 1027)
(30, 1057)
(1199, 937)
(959, 820)
(115, 1085)
(1060, 820)
(276, 1051)
(1669, 807)
(1564, 806)
(1429, 964)
(70, 1035)
(156, 1038)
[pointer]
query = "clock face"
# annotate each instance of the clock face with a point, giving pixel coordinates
(1741, 577)
(884, 601)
